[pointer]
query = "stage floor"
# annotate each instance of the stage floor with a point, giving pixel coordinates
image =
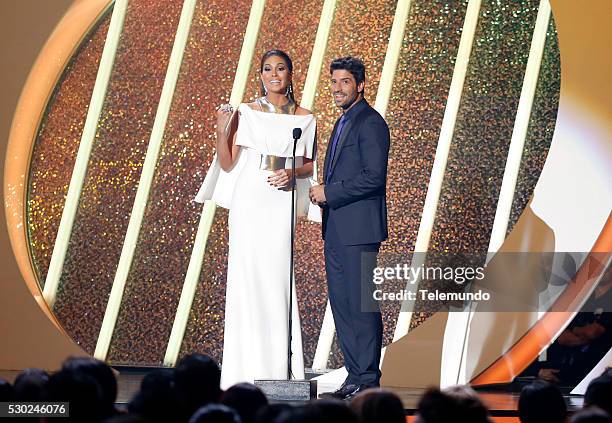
(502, 401)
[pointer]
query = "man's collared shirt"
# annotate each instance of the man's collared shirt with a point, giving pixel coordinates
(346, 116)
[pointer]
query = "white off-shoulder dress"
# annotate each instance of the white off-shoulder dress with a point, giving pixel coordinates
(257, 292)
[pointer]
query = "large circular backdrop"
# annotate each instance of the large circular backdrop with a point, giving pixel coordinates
(470, 189)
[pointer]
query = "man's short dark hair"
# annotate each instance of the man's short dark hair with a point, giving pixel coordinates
(352, 64)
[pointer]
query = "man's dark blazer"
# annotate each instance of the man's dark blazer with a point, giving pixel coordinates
(356, 190)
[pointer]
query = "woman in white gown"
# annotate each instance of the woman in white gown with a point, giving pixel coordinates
(251, 176)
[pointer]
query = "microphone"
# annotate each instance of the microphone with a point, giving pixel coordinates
(297, 133)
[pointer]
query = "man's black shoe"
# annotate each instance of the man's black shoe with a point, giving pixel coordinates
(356, 392)
(340, 393)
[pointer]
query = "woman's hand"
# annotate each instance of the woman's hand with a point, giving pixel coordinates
(224, 113)
(280, 178)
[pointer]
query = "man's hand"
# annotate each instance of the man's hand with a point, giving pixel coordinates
(317, 195)
(549, 375)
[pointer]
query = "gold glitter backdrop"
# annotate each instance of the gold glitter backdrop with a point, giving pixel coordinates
(114, 168)
(414, 113)
(483, 130)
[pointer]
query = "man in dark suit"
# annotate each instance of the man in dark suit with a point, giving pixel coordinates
(353, 199)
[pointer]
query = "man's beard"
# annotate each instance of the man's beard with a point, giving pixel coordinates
(348, 104)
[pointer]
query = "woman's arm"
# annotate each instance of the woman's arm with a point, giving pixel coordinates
(305, 171)
(227, 150)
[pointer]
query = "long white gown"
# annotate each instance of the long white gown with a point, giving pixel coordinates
(257, 293)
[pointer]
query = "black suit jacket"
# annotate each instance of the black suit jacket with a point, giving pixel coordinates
(356, 191)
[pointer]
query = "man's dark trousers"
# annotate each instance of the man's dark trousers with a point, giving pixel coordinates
(359, 327)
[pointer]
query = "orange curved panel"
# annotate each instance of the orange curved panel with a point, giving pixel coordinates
(543, 332)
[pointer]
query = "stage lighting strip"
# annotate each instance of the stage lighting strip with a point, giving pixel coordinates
(208, 212)
(441, 157)
(326, 335)
(457, 328)
(318, 52)
(519, 132)
(144, 184)
(80, 167)
(392, 57)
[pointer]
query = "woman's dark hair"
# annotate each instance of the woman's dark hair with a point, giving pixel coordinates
(352, 64)
(289, 63)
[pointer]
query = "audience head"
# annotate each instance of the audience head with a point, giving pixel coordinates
(321, 411)
(80, 390)
(197, 378)
(157, 400)
(190, 392)
(599, 393)
(470, 406)
(7, 392)
(334, 411)
(102, 374)
(215, 413)
(246, 399)
(541, 402)
(127, 418)
(591, 415)
(30, 384)
(157, 379)
(436, 406)
(271, 412)
(378, 405)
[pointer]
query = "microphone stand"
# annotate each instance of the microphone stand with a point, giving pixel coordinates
(291, 261)
(290, 390)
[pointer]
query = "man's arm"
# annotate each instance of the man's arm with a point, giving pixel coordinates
(374, 145)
